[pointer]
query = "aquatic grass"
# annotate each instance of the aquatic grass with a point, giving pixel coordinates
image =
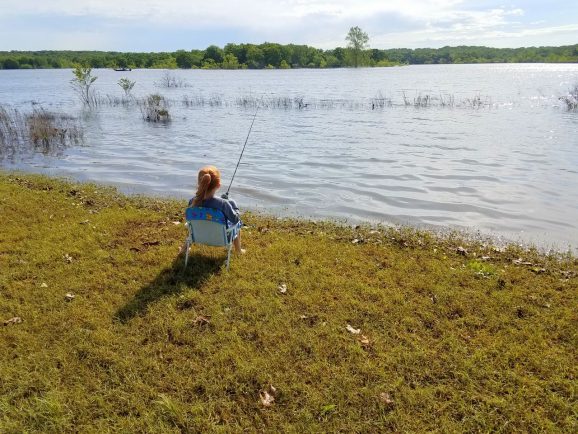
(420, 99)
(38, 131)
(45, 129)
(571, 98)
(202, 101)
(447, 100)
(126, 100)
(380, 101)
(12, 127)
(170, 80)
(146, 346)
(251, 102)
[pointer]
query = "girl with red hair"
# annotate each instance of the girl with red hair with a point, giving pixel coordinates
(209, 182)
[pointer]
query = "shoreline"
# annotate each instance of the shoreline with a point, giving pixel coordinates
(466, 234)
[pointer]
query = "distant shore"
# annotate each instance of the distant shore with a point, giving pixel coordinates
(278, 56)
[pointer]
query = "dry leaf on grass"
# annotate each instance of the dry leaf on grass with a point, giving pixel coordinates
(69, 296)
(353, 330)
(267, 396)
(201, 321)
(364, 341)
(15, 320)
(151, 243)
(385, 398)
(43, 285)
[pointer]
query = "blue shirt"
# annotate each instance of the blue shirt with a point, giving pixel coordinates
(227, 206)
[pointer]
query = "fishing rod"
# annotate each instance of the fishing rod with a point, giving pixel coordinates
(226, 195)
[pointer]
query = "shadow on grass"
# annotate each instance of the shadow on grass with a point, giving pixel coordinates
(171, 280)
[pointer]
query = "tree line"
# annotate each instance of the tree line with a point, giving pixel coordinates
(272, 55)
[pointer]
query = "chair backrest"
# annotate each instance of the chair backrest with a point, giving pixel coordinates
(207, 226)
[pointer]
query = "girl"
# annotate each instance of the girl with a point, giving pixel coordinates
(209, 181)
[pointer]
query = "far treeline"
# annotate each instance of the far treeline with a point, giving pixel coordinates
(272, 55)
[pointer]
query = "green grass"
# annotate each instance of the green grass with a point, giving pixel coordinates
(483, 340)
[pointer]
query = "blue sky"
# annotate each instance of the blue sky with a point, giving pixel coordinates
(168, 25)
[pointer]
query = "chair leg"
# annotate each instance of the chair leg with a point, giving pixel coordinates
(188, 245)
(229, 255)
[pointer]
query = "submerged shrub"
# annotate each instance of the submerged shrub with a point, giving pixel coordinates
(154, 108)
(169, 79)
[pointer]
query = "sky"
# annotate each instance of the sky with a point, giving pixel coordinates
(169, 25)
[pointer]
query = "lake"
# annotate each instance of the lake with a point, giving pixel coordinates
(489, 148)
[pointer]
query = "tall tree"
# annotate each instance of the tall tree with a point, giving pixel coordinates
(357, 41)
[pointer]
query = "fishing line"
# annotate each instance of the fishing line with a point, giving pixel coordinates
(241, 156)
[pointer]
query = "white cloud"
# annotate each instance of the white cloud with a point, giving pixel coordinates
(321, 23)
(455, 25)
(437, 37)
(256, 14)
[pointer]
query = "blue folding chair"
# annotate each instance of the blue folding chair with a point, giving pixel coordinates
(209, 226)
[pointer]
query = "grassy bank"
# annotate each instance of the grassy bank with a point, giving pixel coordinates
(453, 336)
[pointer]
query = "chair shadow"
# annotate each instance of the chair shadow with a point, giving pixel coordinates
(171, 280)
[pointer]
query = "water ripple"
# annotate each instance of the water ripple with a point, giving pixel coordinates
(508, 169)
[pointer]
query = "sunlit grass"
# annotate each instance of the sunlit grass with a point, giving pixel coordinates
(470, 339)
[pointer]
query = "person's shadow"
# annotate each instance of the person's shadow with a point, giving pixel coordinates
(171, 280)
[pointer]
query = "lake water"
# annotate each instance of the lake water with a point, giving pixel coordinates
(494, 150)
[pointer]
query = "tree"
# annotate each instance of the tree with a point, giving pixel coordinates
(357, 41)
(82, 81)
(215, 53)
(254, 57)
(239, 51)
(126, 85)
(184, 59)
(272, 54)
(11, 64)
(230, 61)
(210, 64)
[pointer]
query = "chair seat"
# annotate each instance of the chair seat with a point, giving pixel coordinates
(209, 227)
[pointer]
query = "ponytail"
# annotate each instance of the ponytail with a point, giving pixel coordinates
(209, 178)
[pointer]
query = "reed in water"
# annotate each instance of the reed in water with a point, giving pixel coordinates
(39, 130)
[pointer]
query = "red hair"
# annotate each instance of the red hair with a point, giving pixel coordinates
(209, 179)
